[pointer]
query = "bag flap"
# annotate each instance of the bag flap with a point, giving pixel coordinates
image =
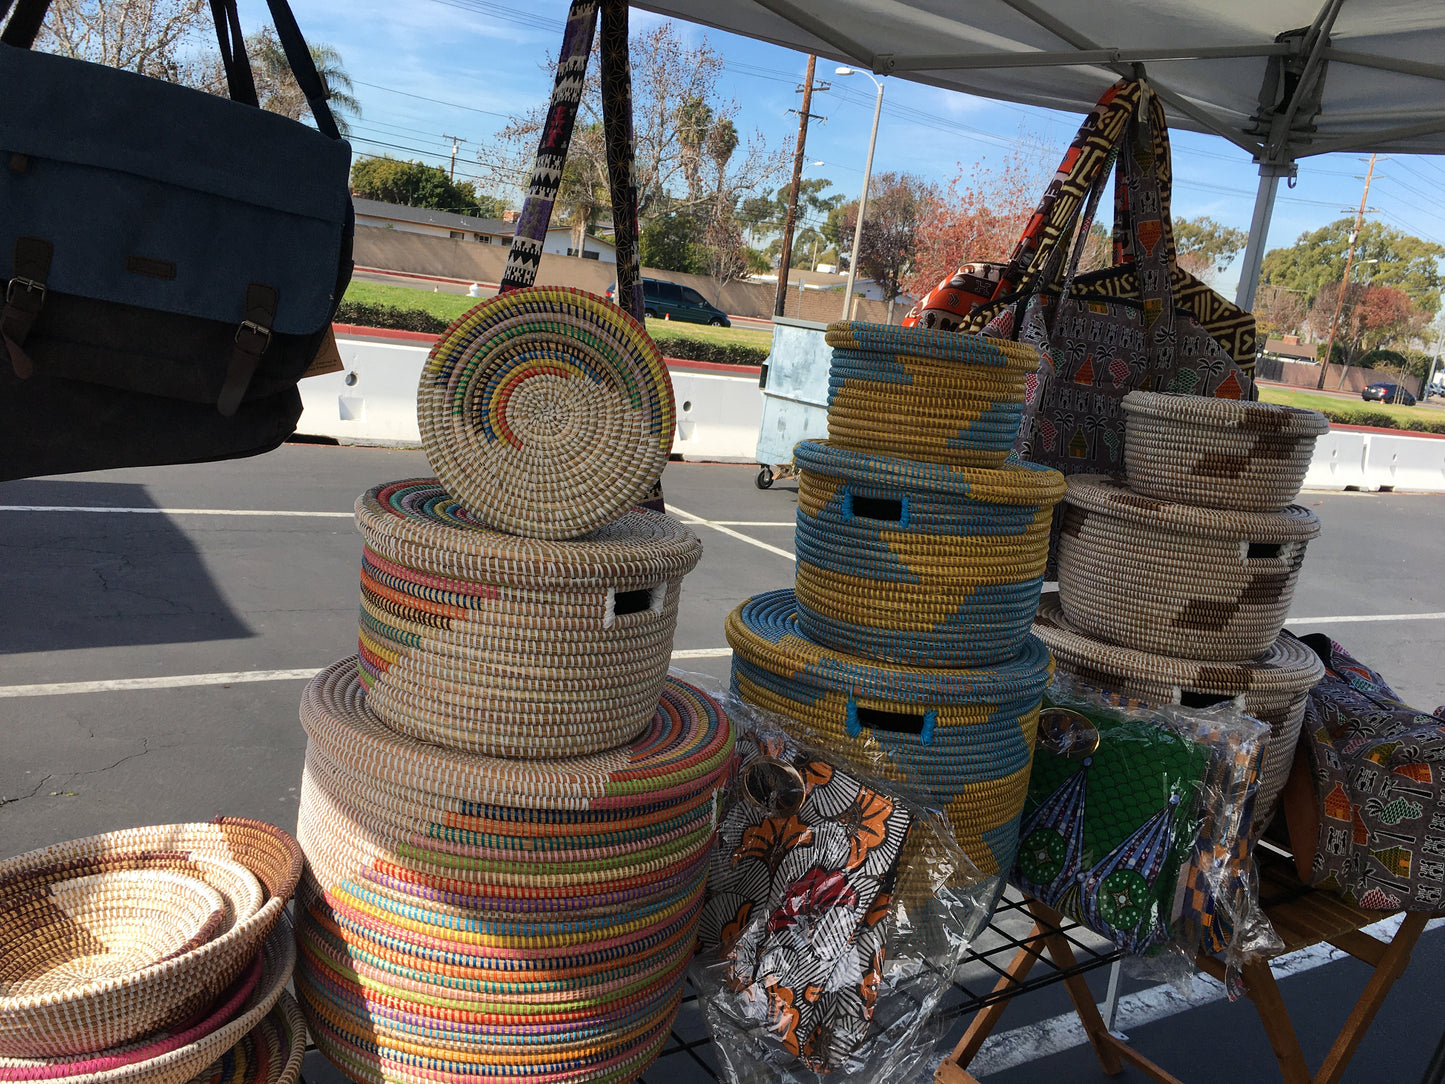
(201, 193)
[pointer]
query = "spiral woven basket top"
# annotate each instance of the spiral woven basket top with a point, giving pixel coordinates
(417, 523)
(686, 747)
(546, 411)
(930, 343)
(772, 619)
(1287, 666)
(1016, 482)
(1226, 413)
(1110, 497)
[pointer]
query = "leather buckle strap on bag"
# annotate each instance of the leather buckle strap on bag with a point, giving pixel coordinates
(24, 298)
(252, 339)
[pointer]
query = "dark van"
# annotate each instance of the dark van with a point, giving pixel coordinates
(668, 300)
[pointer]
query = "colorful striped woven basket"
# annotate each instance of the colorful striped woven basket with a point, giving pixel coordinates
(918, 563)
(474, 917)
(1274, 686)
(246, 870)
(1218, 453)
(964, 736)
(934, 396)
(509, 646)
(546, 412)
(177, 1055)
(1196, 583)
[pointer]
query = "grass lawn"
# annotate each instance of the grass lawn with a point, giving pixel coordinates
(1357, 412)
(449, 306)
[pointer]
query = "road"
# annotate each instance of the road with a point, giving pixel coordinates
(157, 625)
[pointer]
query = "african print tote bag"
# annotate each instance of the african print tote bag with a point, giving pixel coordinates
(798, 898)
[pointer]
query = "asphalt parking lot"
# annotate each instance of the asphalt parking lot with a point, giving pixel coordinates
(157, 625)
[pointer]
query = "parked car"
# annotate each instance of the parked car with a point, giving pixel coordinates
(664, 300)
(1388, 393)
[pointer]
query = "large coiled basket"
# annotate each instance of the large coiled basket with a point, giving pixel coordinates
(920, 564)
(512, 646)
(965, 736)
(1173, 579)
(477, 917)
(1274, 686)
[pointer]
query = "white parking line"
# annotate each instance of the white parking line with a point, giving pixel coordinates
(190, 681)
(175, 511)
(1356, 618)
(716, 525)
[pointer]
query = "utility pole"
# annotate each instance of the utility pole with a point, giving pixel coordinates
(457, 142)
(785, 254)
(1345, 282)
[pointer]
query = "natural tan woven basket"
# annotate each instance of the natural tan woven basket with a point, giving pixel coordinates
(198, 1047)
(509, 646)
(1174, 579)
(1274, 686)
(270, 1053)
(107, 1012)
(1218, 453)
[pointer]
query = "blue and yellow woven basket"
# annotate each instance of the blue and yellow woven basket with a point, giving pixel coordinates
(920, 564)
(965, 736)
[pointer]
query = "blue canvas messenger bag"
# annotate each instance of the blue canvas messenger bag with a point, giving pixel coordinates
(172, 259)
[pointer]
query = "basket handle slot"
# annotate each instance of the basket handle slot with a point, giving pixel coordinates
(886, 509)
(1190, 699)
(1259, 551)
(640, 600)
(921, 723)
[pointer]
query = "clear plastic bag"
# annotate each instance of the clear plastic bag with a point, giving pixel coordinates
(839, 908)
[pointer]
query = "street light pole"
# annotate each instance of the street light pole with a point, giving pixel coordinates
(863, 199)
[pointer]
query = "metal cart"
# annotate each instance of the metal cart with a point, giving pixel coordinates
(794, 382)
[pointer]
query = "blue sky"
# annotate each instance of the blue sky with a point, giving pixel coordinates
(426, 69)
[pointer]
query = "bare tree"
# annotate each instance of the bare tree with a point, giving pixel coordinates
(164, 39)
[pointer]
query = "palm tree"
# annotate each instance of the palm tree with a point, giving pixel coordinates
(276, 87)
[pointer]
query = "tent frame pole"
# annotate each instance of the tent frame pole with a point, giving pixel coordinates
(1269, 175)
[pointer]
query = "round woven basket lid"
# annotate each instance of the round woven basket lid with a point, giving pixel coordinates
(1111, 497)
(175, 1057)
(1287, 665)
(546, 412)
(416, 522)
(686, 746)
(1016, 482)
(1227, 413)
(772, 618)
(931, 343)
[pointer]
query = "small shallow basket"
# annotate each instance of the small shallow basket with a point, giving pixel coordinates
(940, 397)
(1174, 579)
(546, 412)
(477, 914)
(1274, 686)
(174, 1057)
(917, 563)
(964, 736)
(270, 1053)
(509, 646)
(110, 1012)
(1218, 453)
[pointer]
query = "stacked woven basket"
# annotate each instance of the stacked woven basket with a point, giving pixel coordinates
(507, 807)
(151, 956)
(1175, 586)
(905, 643)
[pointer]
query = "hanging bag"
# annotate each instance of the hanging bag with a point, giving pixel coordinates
(172, 258)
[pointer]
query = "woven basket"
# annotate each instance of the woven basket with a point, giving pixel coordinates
(917, 563)
(937, 397)
(270, 1053)
(107, 1012)
(1218, 453)
(546, 412)
(1274, 686)
(175, 1057)
(508, 646)
(964, 736)
(482, 916)
(1174, 579)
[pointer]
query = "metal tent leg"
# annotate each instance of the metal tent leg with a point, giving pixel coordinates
(1269, 176)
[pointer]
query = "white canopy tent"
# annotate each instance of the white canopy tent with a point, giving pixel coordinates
(1282, 79)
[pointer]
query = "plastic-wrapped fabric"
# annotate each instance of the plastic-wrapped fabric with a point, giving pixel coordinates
(1138, 823)
(815, 965)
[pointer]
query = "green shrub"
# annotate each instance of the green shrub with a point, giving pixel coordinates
(1379, 419)
(690, 349)
(363, 314)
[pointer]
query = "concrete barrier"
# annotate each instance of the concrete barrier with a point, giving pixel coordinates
(1405, 463)
(1339, 461)
(717, 415)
